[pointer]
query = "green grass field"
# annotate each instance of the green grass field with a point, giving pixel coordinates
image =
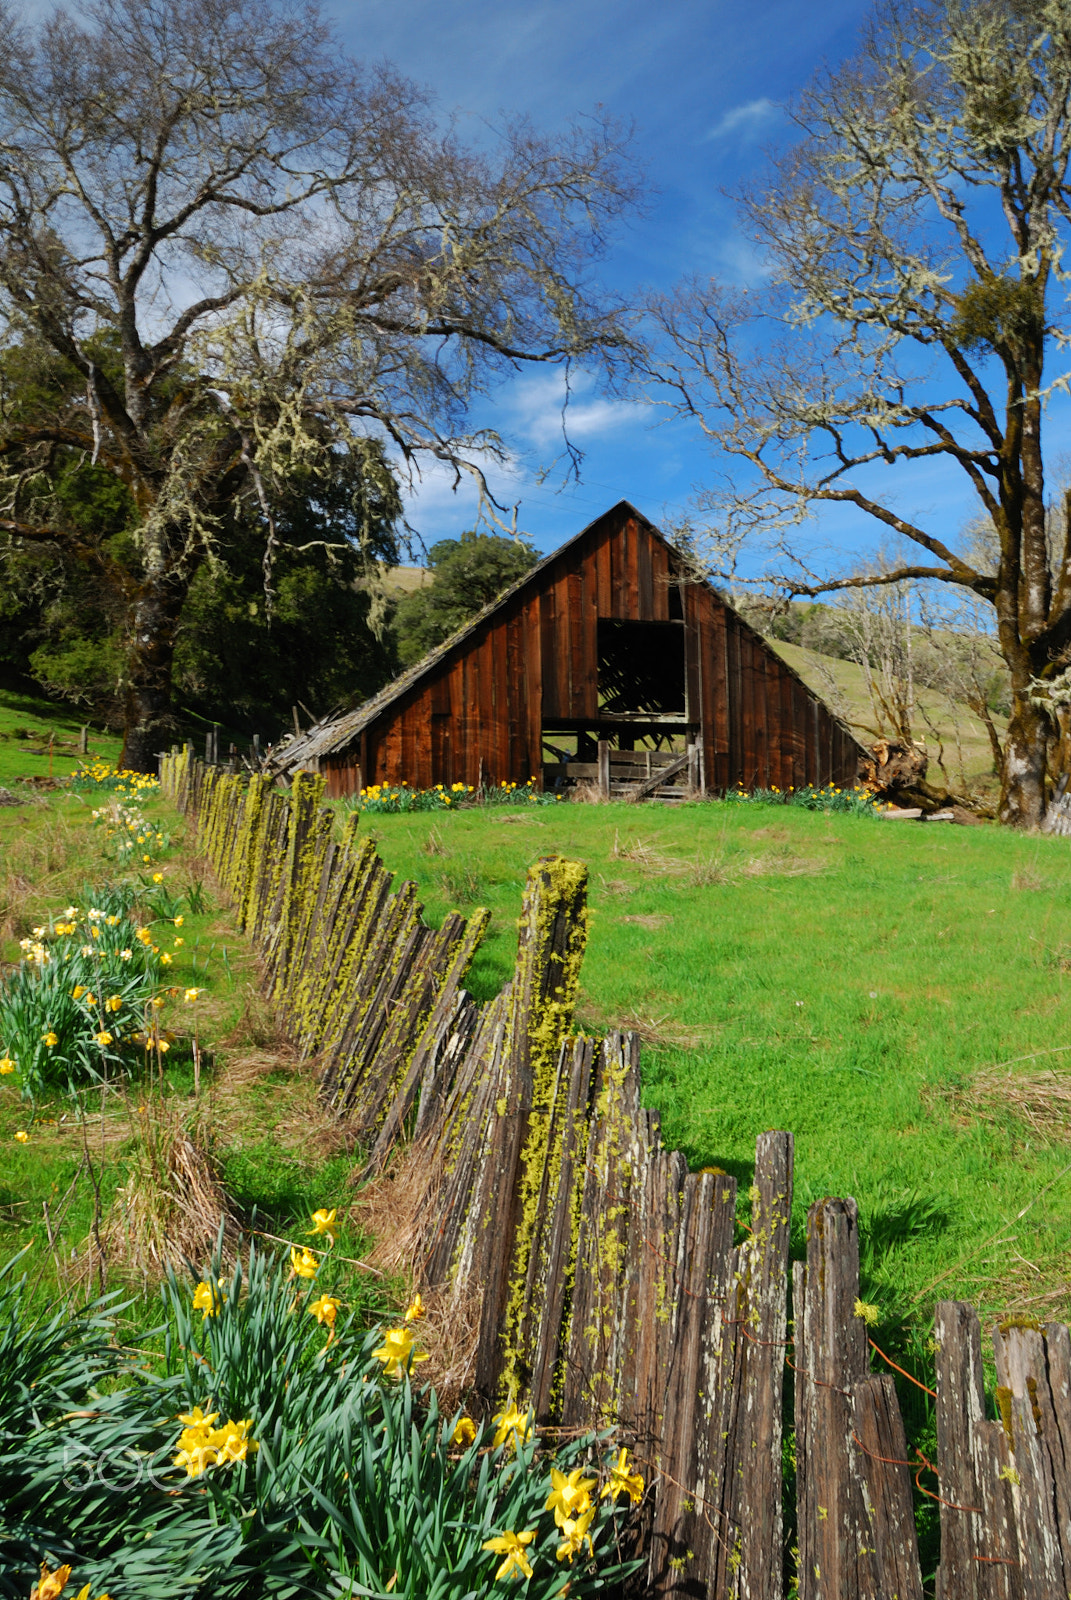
(896, 995)
(867, 985)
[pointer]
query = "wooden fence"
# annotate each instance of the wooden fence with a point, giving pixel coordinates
(610, 1286)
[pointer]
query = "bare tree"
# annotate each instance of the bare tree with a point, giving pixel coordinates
(917, 234)
(254, 253)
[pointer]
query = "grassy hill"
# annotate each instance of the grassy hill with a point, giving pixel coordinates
(949, 730)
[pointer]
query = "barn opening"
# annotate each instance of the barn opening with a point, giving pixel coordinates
(641, 668)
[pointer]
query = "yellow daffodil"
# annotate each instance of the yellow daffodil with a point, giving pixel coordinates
(303, 1263)
(325, 1309)
(51, 1039)
(6, 1065)
(94, 932)
(78, 991)
(575, 1533)
(113, 922)
(179, 921)
(196, 1418)
(157, 877)
(464, 1433)
(21, 1136)
(208, 1300)
(324, 1222)
(191, 995)
(180, 941)
(512, 1424)
(114, 1002)
(232, 1441)
(397, 1350)
(165, 958)
(570, 1494)
(103, 1037)
(415, 1310)
(512, 1546)
(50, 1585)
(157, 1004)
(163, 1045)
(621, 1481)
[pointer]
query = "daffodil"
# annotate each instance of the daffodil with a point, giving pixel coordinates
(512, 1424)
(114, 1002)
(22, 1136)
(166, 959)
(51, 1585)
(324, 1222)
(397, 1350)
(464, 1433)
(575, 1533)
(125, 955)
(51, 1039)
(191, 994)
(196, 1418)
(103, 1037)
(513, 1547)
(570, 1495)
(415, 1310)
(621, 1481)
(325, 1309)
(208, 1300)
(157, 877)
(7, 1065)
(179, 921)
(303, 1263)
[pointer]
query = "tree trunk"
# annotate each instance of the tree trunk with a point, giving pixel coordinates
(1022, 798)
(150, 725)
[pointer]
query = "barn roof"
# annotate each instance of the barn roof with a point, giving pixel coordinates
(338, 733)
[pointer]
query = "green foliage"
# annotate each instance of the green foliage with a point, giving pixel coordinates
(350, 1482)
(326, 642)
(467, 574)
(76, 1008)
(388, 799)
(857, 801)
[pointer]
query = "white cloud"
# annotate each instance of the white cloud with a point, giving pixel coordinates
(748, 121)
(534, 407)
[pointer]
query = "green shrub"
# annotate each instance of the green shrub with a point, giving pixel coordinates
(857, 801)
(79, 1004)
(269, 1452)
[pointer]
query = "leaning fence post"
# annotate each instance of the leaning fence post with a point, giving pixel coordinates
(603, 757)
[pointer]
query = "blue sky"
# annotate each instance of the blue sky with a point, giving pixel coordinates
(704, 84)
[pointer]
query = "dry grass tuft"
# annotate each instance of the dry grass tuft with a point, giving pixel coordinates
(433, 844)
(587, 793)
(532, 822)
(1040, 1099)
(172, 1206)
(616, 886)
(389, 1208)
(643, 854)
(257, 1028)
(709, 870)
(652, 920)
(1027, 880)
(783, 864)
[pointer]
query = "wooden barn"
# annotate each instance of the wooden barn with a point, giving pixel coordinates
(607, 662)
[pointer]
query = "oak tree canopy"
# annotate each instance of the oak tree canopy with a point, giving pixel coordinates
(918, 312)
(256, 254)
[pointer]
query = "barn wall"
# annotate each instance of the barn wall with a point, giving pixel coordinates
(480, 713)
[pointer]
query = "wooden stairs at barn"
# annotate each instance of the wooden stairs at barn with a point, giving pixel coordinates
(668, 776)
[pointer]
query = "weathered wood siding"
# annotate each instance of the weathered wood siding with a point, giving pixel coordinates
(478, 714)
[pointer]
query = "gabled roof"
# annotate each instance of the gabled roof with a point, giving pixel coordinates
(338, 733)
